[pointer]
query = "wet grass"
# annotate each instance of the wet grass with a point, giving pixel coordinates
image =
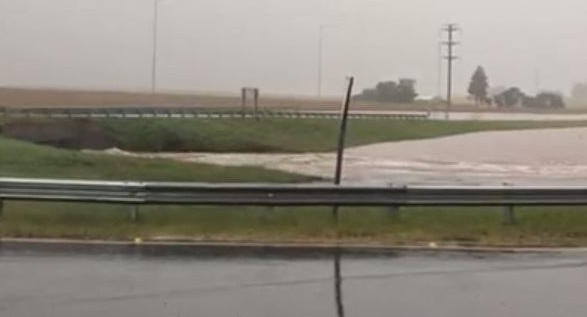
(478, 226)
(464, 226)
(265, 136)
(288, 136)
(21, 159)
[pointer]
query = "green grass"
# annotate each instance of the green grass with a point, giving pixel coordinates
(536, 227)
(283, 135)
(20, 159)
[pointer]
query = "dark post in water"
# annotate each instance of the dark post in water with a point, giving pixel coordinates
(342, 136)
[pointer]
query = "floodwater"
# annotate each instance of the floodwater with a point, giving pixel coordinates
(506, 116)
(191, 282)
(530, 157)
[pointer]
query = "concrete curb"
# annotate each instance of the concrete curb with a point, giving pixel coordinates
(253, 247)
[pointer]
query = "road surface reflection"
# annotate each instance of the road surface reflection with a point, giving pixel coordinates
(185, 281)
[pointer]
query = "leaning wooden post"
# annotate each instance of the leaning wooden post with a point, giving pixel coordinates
(342, 137)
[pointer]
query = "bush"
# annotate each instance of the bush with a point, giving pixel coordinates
(390, 91)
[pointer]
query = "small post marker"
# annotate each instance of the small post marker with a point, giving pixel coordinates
(134, 213)
(394, 212)
(509, 215)
(243, 102)
(256, 102)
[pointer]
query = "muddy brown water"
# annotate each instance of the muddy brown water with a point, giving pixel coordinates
(529, 157)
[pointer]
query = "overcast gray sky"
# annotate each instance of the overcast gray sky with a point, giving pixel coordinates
(221, 45)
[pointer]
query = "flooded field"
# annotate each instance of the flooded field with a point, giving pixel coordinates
(536, 157)
(507, 116)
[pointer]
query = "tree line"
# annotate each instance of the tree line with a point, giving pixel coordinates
(510, 97)
(404, 91)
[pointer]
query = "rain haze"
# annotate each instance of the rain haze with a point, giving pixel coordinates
(293, 158)
(222, 45)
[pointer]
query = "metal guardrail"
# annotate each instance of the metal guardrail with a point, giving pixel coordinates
(191, 112)
(160, 193)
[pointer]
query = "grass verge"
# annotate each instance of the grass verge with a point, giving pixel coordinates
(245, 135)
(283, 135)
(449, 226)
(20, 159)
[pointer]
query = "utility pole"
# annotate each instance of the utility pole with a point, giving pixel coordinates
(439, 70)
(450, 29)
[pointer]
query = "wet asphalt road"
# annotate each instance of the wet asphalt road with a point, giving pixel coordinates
(62, 283)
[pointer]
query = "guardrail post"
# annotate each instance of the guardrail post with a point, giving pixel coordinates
(509, 215)
(243, 102)
(4, 112)
(134, 213)
(394, 212)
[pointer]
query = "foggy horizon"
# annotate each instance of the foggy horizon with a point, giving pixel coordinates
(222, 45)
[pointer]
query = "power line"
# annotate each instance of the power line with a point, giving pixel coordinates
(450, 29)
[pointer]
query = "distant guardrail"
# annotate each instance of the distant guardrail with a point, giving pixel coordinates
(166, 193)
(190, 112)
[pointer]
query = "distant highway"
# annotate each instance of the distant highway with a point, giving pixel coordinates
(137, 112)
(185, 112)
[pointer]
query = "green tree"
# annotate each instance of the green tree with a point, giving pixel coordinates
(579, 93)
(406, 90)
(545, 100)
(390, 91)
(509, 98)
(478, 86)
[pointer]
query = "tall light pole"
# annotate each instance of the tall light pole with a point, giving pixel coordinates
(155, 40)
(320, 57)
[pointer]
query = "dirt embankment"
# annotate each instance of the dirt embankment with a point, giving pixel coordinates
(70, 134)
(29, 97)
(20, 97)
